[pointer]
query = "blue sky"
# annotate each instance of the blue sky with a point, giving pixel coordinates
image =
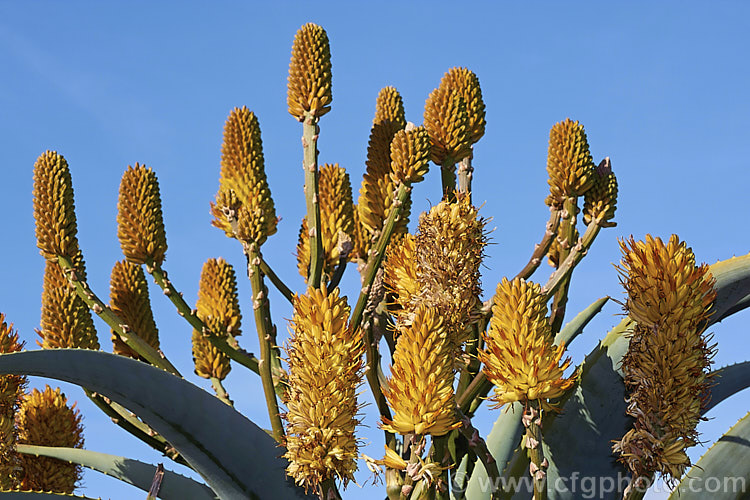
(661, 89)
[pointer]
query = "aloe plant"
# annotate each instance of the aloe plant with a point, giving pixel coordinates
(618, 420)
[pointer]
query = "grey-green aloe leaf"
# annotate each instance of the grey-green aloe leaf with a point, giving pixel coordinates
(723, 472)
(140, 474)
(235, 457)
(728, 381)
(577, 324)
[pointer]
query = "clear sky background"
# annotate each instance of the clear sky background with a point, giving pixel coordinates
(661, 89)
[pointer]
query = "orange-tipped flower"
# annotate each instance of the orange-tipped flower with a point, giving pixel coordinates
(11, 392)
(140, 225)
(666, 366)
(600, 202)
(45, 419)
(66, 319)
(466, 83)
(336, 220)
(54, 207)
(447, 121)
(309, 84)
(244, 195)
(410, 155)
(519, 357)
(218, 306)
(325, 370)
(420, 389)
(569, 163)
(128, 299)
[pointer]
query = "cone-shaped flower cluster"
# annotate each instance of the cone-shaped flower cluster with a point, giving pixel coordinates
(569, 163)
(666, 366)
(309, 84)
(600, 202)
(377, 191)
(244, 195)
(11, 392)
(439, 267)
(336, 216)
(218, 307)
(66, 319)
(410, 155)
(466, 83)
(129, 300)
(519, 357)
(420, 388)
(325, 369)
(45, 419)
(140, 225)
(446, 119)
(54, 207)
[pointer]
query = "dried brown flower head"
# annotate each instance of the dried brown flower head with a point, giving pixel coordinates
(140, 225)
(309, 84)
(129, 300)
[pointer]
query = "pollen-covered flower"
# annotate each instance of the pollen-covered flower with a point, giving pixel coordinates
(569, 163)
(11, 392)
(218, 307)
(466, 83)
(600, 202)
(666, 367)
(309, 83)
(336, 219)
(66, 319)
(244, 195)
(45, 419)
(325, 370)
(140, 225)
(420, 388)
(447, 122)
(129, 300)
(54, 207)
(519, 357)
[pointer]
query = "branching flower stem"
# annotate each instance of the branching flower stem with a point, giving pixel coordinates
(220, 391)
(532, 421)
(448, 177)
(465, 173)
(136, 343)
(566, 240)
(328, 490)
(541, 249)
(479, 447)
(310, 131)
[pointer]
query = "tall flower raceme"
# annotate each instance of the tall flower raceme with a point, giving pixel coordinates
(337, 221)
(46, 419)
(218, 307)
(309, 86)
(447, 121)
(520, 358)
(11, 393)
(600, 202)
(325, 370)
(569, 163)
(466, 84)
(666, 366)
(420, 388)
(129, 299)
(244, 197)
(140, 224)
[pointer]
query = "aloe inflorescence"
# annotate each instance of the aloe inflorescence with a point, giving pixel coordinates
(309, 86)
(11, 393)
(569, 163)
(129, 299)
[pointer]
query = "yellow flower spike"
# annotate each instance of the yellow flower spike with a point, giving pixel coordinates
(309, 83)
(410, 155)
(466, 83)
(140, 225)
(401, 276)
(66, 319)
(362, 241)
(11, 392)
(243, 182)
(600, 202)
(569, 163)
(218, 307)
(666, 367)
(377, 190)
(336, 216)
(420, 388)
(325, 370)
(129, 300)
(519, 357)
(447, 121)
(45, 419)
(54, 207)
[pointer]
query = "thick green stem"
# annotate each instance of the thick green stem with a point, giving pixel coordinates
(541, 248)
(375, 377)
(280, 286)
(566, 241)
(235, 353)
(465, 173)
(469, 399)
(310, 132)
(124, 331)
(328, 490)
(266, 339)
(448, 177)
(220, 391)
(416, 446)
(637, 489)
(532, 420)
(441, 484)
